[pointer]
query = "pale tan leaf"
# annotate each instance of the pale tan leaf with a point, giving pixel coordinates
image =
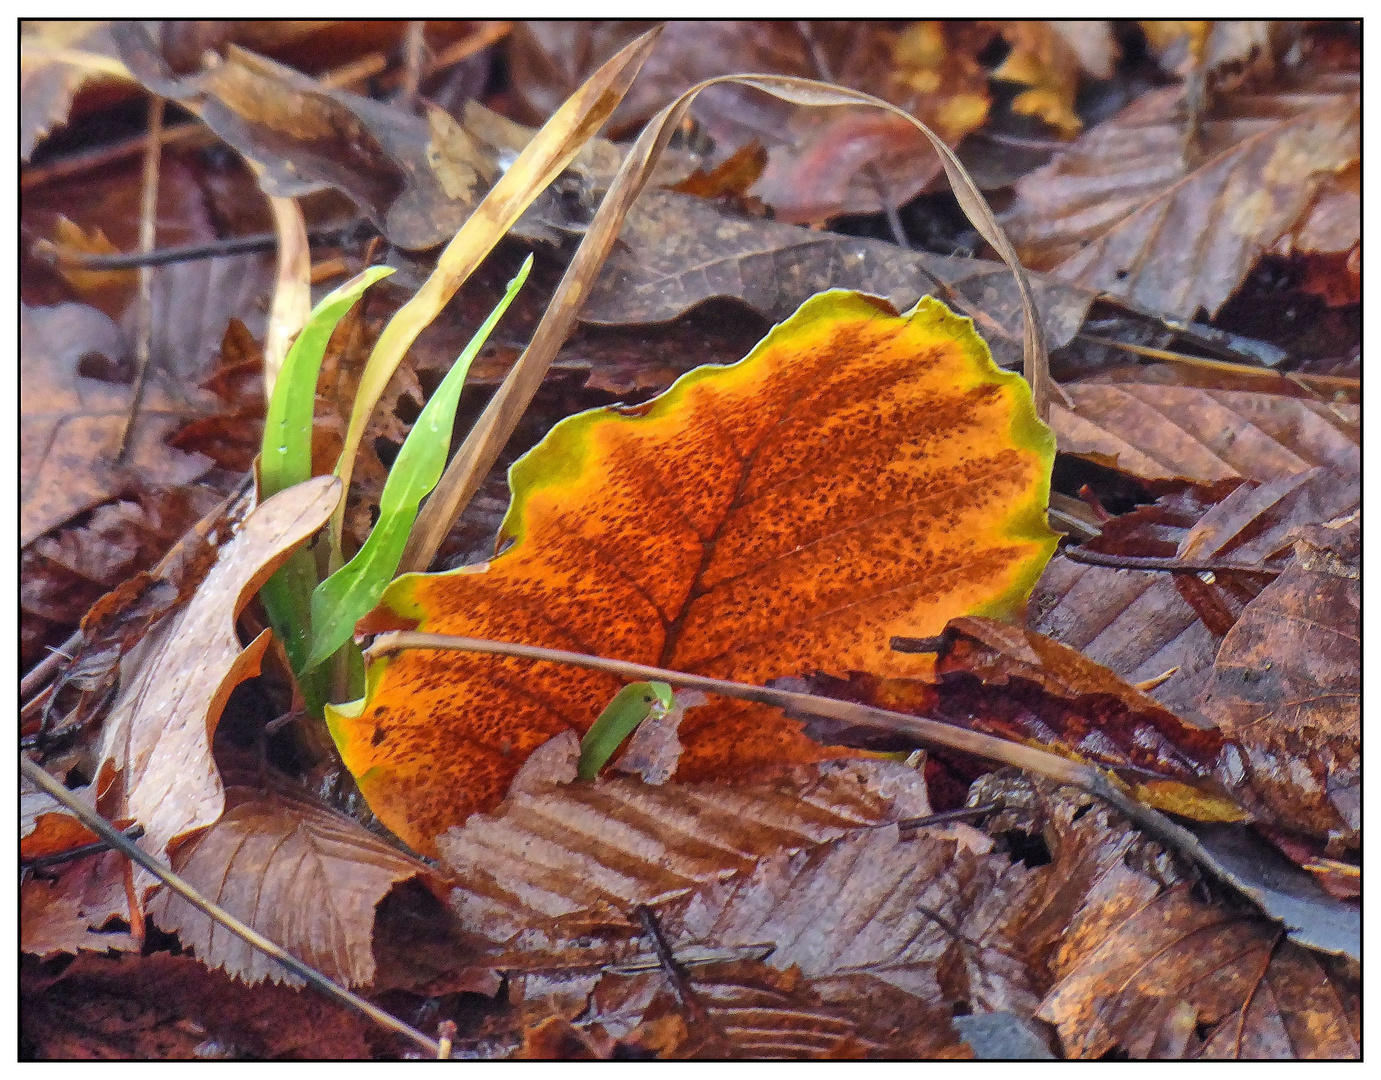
(303, 875)
(155, 763)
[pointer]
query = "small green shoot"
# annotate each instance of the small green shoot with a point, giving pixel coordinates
(352, 591)
(629, 708)
(285, 459)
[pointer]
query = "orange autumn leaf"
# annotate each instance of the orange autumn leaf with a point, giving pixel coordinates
(861, 474)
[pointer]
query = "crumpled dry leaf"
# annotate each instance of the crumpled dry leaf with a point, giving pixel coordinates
(676, 251)
(155, 763)
(70, 424)
(1287, 682)
(1143, 624)
(816, 158)
(605, 846)
(1120, 212)
(46, 827)
(1187, 432)
(303, 875)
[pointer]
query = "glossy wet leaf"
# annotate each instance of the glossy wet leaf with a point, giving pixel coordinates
(859, 474)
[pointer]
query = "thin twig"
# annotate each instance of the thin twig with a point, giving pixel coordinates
(308, 974)
(926, 732)
(675, 973)
(414, 45)
(39, 862)
(348, 232)
(1169, 563)
(148, 225)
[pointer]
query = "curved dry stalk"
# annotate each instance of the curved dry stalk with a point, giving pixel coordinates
(492, 430)
(116, 839)
(292, 290)
(552, 149)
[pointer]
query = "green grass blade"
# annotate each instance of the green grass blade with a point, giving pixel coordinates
(286, 457)
(629, 708)
(352, 591)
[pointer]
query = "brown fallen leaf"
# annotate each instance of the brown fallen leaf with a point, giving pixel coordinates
(67, 909)
(70, 424)
(154, 764)
(676, 251)
(1185, 432)
(303, 875)
(416, 179)
(615, 843)
(1047, 57)
(1161, 969)
(1113, 212)
(816, 159)
(1286, 686)
(46, 827)
(164, 1006)
(48, 80)
(1146, 624)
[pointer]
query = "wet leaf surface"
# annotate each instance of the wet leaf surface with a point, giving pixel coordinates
(1113, 212)
(657, 564)
(1144, 624)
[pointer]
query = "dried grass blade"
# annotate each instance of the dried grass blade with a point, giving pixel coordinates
(542, 160)
(292, 288)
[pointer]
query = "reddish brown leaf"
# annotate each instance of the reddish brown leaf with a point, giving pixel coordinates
(68, 909)
(1113, 212)
(1144, 624)
(164, 1006)
(1286, 686)
(301, 874)
(731, 178)
(46, 827)
(816, 156)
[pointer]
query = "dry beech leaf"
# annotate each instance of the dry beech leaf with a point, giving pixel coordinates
(155, 765)
(556, 850)
(1143, 624)
(1164, 432)
(70, 425)
(1167, 965)
(703, 531)
(48, 84)
(1120, 212)
(676, 251)
(303, 875)
(1287, 686)
(66, 911)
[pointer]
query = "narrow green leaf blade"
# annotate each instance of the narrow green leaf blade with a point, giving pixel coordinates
(352, 591)
(286, 457)
(629, 708)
